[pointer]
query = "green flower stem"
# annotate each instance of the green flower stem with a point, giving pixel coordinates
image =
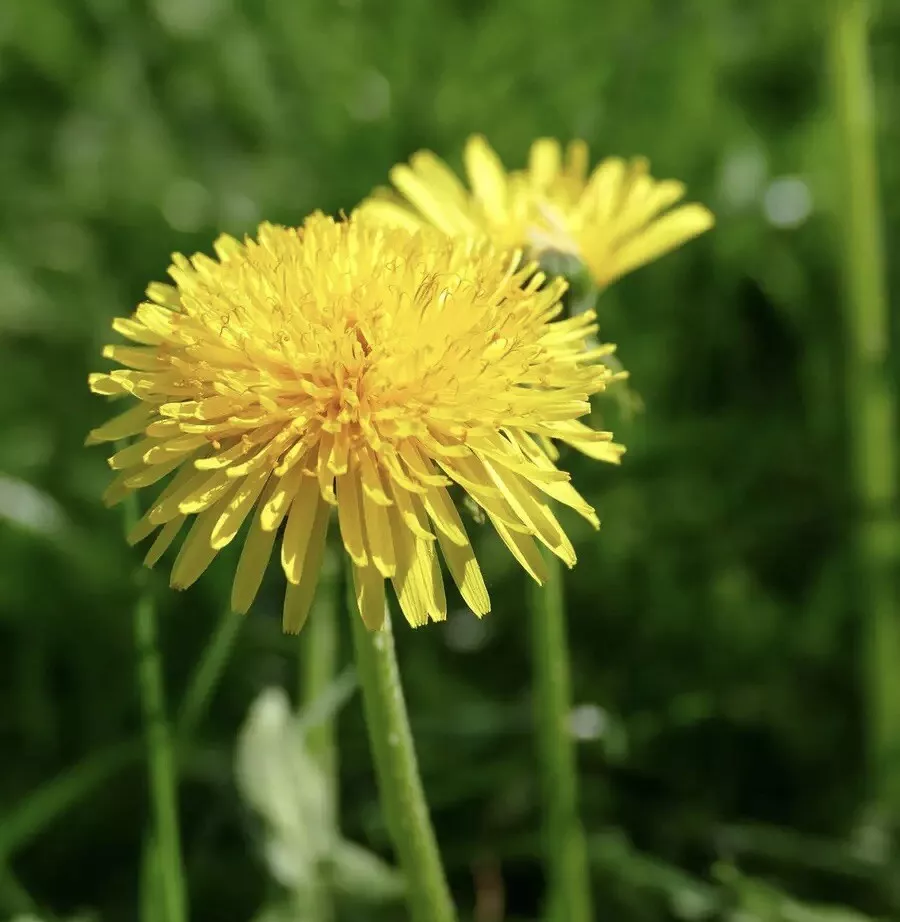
(569, 884)
(161, 761)
(871, 401)
(396, 767)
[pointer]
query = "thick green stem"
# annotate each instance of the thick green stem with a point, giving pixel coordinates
(568, 878)
(871, 402)
(161, 762)
(396, 767)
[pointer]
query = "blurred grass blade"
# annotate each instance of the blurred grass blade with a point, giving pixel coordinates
(793, 849)
(14, 898)
(205, 679)
(151, 884)
(48, 803)
(160, 756)
(871, 398)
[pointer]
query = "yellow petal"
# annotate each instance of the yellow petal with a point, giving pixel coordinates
(502, 452)
(299, 528)
(661, 237)
(226, 247)
(338, 459)
(169, 448)
(379, 536)
(466, 573)
(106, 385)
(146, 525)
(186, 482)
(371, 479)
(282, 495)
(163, 540)
(132, 455)
(137, 357)
(417, 581)
(208, 492)
(166, 295)
(653, 198)
(410, 507)
(544, 162)
(444, 514)
(126, 424)
(323, 468)
(164, 428)
(156, 319)
(151, 474)
(391, 214)
(298, 596)
(486, 177)
(197, 552)
(117, 490)
(350, 517)
(440, 177)
(224, 458)
(241, 503)
(577, 161)
(563, 493)
(524, 550)
(477, 483)
(535, 513)
(208, 408)
(136, 331)
(252, 564)
(610, 452)
(369, 586)
(445, 215)
(602, 193)
(421, 468)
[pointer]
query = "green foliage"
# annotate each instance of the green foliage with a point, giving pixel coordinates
(714, 619)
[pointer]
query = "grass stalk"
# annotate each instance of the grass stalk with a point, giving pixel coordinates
(871, 398)
(160, 755)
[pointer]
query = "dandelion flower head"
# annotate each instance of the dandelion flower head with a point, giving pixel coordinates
(612, 220)
(350, 368)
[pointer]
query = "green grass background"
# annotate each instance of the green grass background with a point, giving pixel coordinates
(715, 619)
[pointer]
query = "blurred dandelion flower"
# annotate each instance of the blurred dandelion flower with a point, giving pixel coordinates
(355, 367)
(612, 221)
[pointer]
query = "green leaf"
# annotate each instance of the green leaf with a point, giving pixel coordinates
(362, 875)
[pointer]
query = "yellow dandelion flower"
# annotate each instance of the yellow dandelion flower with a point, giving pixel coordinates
(357, 368)
(613, 220)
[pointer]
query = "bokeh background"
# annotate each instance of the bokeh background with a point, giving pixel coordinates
(716, 619)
